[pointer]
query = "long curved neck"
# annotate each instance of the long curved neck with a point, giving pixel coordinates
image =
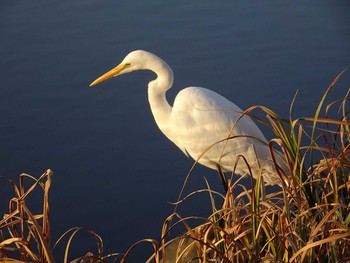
(160, 107)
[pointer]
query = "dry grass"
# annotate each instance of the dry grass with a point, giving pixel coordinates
(307, 220)
(25, 236)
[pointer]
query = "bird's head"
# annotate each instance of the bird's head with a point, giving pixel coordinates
(135, 60)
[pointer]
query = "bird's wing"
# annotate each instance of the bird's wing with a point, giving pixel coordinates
(202, 118)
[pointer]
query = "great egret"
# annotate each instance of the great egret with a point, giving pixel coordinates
(202, 123)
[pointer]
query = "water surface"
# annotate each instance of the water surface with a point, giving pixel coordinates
(114, 170)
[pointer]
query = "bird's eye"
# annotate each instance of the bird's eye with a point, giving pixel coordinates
(127, 64)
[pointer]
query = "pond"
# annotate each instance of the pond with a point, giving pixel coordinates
(114, 171)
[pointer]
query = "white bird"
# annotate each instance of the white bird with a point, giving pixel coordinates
(202, 123)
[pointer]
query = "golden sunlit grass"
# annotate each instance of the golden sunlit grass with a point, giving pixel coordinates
(306, 220)
(25, 236)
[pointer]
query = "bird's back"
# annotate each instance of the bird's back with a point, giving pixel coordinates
(203, 121)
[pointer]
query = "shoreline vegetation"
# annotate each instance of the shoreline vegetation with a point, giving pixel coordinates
(306, 220)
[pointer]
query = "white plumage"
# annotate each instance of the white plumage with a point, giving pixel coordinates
(202, 123)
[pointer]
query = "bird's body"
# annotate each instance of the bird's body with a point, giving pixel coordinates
(215, 131)
(203, 124)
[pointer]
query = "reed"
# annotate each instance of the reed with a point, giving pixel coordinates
(305, 220)
(24, 235)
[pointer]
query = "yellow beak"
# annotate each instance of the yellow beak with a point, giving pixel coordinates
(112, 73)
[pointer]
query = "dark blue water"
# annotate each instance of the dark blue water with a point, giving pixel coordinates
(114, 171)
